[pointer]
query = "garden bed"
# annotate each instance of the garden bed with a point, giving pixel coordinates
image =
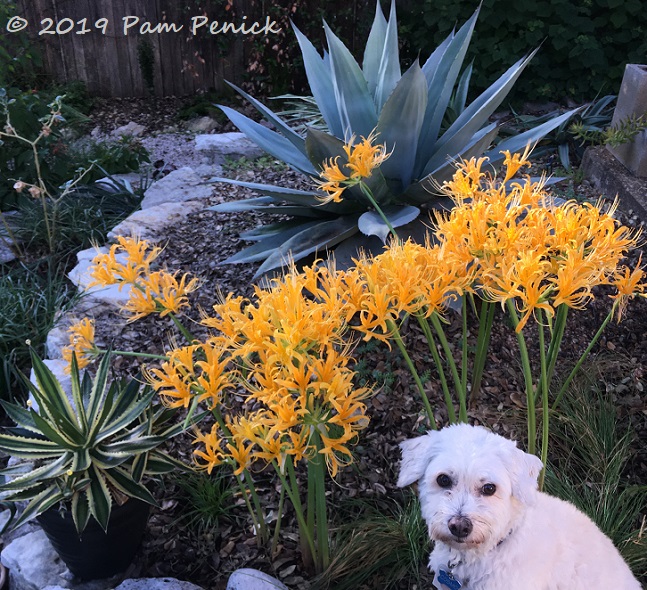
(206, 554)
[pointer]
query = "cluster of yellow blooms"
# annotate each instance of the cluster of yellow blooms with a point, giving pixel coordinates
(128, 262)
(523, 246)
(289, 348)
(287, 351)
(361, 159)
(81, 343)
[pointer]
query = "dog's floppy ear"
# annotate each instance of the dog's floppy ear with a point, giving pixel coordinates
(416, 454)
(524, 473)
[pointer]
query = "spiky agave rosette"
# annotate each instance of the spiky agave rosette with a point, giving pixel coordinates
(404, 112)
(89, 451)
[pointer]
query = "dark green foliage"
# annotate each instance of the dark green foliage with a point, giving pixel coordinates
(585, 45)
(59, 162)
(81, 218)
(20, 61)
(594, 450)
(30, 298)
(204, 498)
(146, 59)
(378, 546)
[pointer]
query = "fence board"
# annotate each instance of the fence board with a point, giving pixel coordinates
(109, 64)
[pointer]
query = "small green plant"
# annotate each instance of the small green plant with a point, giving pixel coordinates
(88, 451)
(236, 165)
(204, 499)
(624, 132)
(378, 549)
(593, 453)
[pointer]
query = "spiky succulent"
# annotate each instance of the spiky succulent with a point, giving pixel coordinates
(89, 450)
(406, 111)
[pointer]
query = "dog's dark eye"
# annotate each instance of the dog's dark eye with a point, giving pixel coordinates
(489, 489)
(444, 481)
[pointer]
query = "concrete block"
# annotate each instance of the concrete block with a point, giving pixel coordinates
(632, 101)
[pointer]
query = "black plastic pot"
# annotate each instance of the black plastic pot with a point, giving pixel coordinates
(97, 554)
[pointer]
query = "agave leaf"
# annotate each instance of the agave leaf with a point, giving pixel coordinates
(267, 206)
(322, 236)
(294, 138)
(49, 497)
(306, 198)
(15, 470)
(478, 144)
(124, 483)
(159, 463)
(24, 447)
(320, 82)
(139, 467)
(271, 141)
(519, 142)
(81, 460)
(374, 50)
(400, 123)
(107, 461)
(19, 416)
(372, 224)
(49, 470)
(77, 396)
(104, 414)
(262, 249)
(133, 447)
(80, 511)
(122, 419)
(440, 84)
(66, 437)
(128, 393)
(475, 115)
(389, 70)
(263, 232)
(99, 499)
(49, 395)
(354, 102)
(97, 394)
(460, 98)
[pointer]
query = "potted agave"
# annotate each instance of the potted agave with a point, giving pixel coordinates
(82, 464)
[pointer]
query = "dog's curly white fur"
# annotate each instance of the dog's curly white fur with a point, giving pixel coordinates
(493, 529)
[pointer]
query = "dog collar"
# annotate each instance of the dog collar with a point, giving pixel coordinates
(447, 579)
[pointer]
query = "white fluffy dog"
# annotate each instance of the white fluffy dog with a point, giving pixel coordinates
(493, 530)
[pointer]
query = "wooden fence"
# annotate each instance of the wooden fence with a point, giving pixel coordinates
(85, 40)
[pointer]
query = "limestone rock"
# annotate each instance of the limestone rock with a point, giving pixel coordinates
(202, 125)
(178, 186)
(148, 223)
(235, 145)
(156, 584)
(251, 579)
(97, 295)
(132, 129)
(32, 562)
(6, 253)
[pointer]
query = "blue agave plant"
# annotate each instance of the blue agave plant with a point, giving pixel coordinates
(407, 112)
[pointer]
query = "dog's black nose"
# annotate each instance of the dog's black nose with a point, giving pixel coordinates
(460, 526)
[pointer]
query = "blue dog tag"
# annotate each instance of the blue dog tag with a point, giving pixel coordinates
(447, 579)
